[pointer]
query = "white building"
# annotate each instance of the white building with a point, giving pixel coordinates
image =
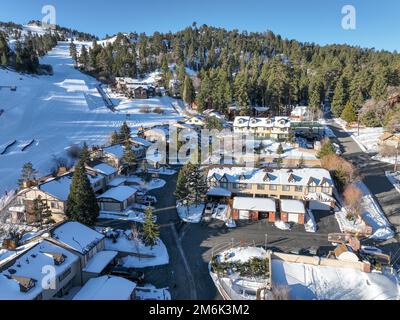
(278, 128)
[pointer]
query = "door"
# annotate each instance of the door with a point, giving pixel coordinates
(293, 218)
(244, 215)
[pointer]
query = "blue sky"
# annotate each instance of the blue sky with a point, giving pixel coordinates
(317, 21)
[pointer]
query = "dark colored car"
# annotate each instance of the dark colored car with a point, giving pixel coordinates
(128, 273)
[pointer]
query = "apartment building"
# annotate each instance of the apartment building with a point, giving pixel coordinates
(278, 128)
(297, 184)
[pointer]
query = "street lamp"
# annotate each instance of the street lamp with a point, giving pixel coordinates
(266, 241)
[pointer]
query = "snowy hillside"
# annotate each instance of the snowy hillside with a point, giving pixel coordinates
(58, 111)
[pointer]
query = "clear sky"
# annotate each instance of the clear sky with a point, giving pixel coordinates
(378, 23)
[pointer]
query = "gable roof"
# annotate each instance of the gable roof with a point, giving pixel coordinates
(76, 236)
(29, 266)
(120, 193)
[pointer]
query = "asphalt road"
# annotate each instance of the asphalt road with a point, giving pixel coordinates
(373, 174)
(190, 246)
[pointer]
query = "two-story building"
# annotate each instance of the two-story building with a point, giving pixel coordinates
(269, 183)
(43, 271)
(278, 128)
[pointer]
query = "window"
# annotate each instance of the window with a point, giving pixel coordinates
(260, 187)
(54, 205)
(286, 188)
(326, 190)
(273, 187)
(244, 186)
(224, 185)
(299, 189)
(65, 274)
(312, 189)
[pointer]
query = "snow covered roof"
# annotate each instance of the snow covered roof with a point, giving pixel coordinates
(117, 150)
(292, 206)
(117, 182)
(101, 260)
(120, 193)
(299, 111)
(77, 236)
(298, 177)
(106, 288)
(243, 254)
(141, 141)
(29, 266)
(59, 187)
(254, 204)
(105, 169)
(254, 122)
(219, 192)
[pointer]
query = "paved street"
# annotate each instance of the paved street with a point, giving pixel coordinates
(373, 173)
(191, 248)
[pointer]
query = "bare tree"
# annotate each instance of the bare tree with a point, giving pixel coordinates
(280, 292)
(352, 197)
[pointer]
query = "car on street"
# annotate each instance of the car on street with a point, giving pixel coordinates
(128, 273)
(209, 208)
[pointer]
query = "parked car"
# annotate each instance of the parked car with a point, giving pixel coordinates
(209, 208)
(146, 200)
(128, 273)
(371, 250)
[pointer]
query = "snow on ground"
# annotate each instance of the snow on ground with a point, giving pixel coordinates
(309, 282)
(270, 148)
(60, 110)
(345, 225)
(152, 185)
(190, 214)
(390, 160)
(368, 138)
(243, 254)
(161, 171)
(374, 216)
(141, 256)
(282, 225)
(128, 215)
(150, 292)
(311, 224)
(394, 178)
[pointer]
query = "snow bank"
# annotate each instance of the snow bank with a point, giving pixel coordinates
(367, 140)
(309, 282)
(150, 292)
(394, 179)
(374, 216)
(282, 225)
(190, 214)
(243, 254)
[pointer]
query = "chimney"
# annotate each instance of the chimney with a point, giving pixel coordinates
(10, 244)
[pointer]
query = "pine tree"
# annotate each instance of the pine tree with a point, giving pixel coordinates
(4, 59)
(151, 231)
(85, 155)
(196, 184)
(82, 203)
(84, 57)
(339, 99)
(125, 132)
(28, 173)
(327, 149)
(188, 91)
(73, 52)
(115, 138)
(349, 113)
(128, 158)
(41, 210)
(181, 191)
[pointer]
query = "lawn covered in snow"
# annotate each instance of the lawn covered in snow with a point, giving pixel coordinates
(60, 110)
(308, 282)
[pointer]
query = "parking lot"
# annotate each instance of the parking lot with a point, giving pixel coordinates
(199, 241)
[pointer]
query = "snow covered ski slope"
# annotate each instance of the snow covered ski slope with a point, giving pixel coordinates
(58, 111)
